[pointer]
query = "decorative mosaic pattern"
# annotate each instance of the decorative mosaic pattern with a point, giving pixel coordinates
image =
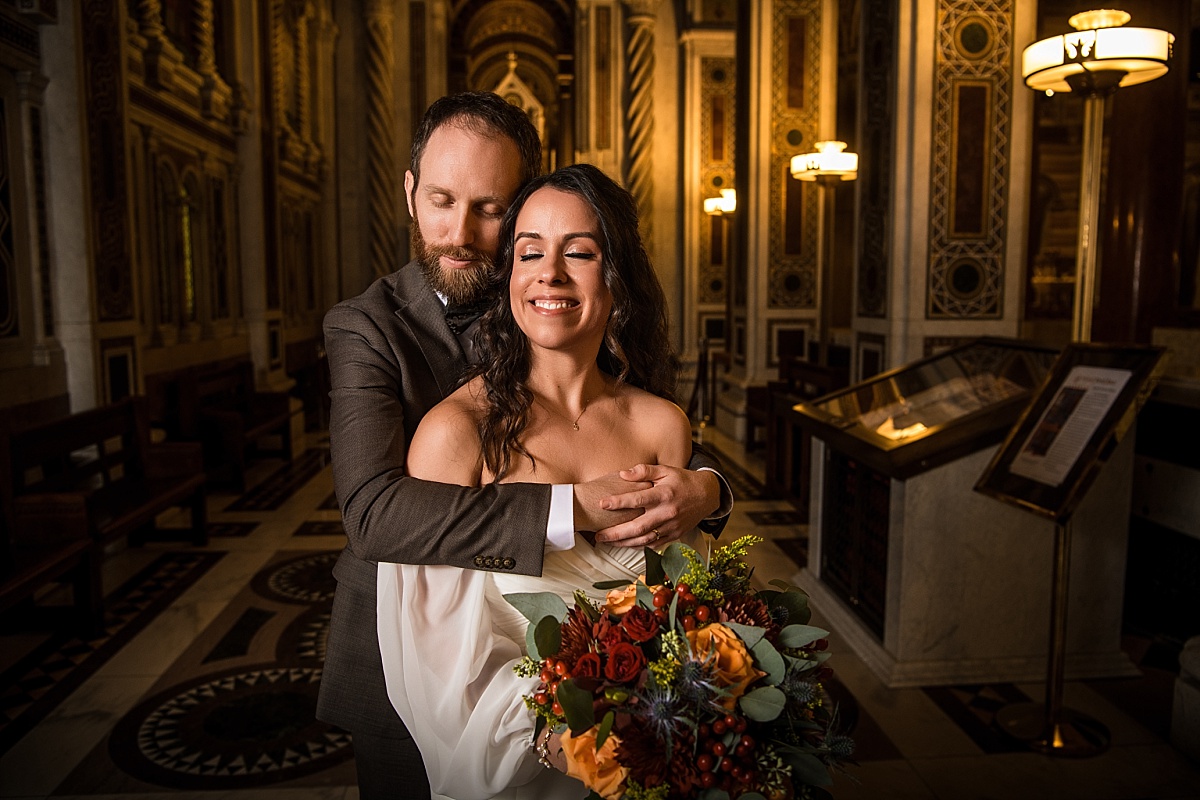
(306, 579)
(792, 276)
(717, 139)
(34, 686)
(969, 179)
(876, 168)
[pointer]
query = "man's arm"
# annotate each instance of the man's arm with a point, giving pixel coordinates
(389, 516)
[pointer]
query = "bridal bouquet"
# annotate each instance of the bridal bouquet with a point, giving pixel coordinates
(686, 684)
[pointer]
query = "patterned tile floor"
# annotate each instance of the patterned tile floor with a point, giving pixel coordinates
(61, 700)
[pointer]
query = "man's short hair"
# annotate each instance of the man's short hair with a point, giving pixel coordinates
(487, 114)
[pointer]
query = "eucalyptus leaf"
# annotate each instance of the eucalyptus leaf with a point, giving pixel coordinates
(769, 661)
(605, 728)
(800, 635)
(796, 605)
(786, 587)
(547, 637)
(535, 605)
(713, 794)
(749, 634)
(761, 705)
(645, 597)
(577, 706)
(654, 567)
(605, 586)
(674, 563)
(806, 769)
(671, 610)
(751, 796)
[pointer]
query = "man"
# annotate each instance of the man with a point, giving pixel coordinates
(393, 355)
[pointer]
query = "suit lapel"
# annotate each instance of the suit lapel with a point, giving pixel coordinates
(420, 310)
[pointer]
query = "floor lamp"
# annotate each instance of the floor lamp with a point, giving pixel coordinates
(1098, 58)
(828, 166)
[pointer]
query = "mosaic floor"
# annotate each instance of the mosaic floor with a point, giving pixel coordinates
(204, 678)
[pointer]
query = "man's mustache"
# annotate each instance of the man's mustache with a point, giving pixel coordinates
(457, 253)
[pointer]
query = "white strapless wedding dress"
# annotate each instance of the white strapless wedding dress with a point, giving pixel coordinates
(449, 639)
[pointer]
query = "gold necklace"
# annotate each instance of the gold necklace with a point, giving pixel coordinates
(574, 422)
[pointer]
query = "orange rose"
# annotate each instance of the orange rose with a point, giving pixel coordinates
(735, 667)
(618, 601)
(598, 771)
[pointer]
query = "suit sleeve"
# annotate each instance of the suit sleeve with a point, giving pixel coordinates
(389, 516)
(702, 458)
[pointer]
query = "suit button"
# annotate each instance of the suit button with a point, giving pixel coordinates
(509, 563)
(489, 562)
(479, 561)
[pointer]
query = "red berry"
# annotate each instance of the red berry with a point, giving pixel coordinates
(741, 726)
(726, 765)
(688, 599)
(682, 589)
(717, 748)
(560, 668)
(719, 727)
(730, 721)
(704, 762)
(708, 780)
(820, 644)
(661, 598)
(689, 623)
(703, 613)
(741, 751)
(704, 730)
(747, 741)
(541, 698)
(556, 708)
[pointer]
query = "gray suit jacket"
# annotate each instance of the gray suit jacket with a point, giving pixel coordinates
(391, 359)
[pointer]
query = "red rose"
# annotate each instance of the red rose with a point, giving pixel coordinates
(588, 666)
(640, 623)
(608, 633)
(625, 662)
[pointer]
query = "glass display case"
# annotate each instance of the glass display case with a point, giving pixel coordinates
(932, 411)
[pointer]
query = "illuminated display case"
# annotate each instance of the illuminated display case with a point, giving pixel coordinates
(928, 580)
(932, 411)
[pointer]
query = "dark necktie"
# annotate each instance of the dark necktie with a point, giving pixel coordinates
(459, 318)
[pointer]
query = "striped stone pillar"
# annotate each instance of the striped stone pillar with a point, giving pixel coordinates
(639, 114)
(384, 215)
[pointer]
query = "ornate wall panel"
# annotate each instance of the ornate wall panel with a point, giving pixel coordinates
(38, 158)
(878, 76)
(795, 80)
(9, 302)
(106, 116)
(969, 180)
(717, 137)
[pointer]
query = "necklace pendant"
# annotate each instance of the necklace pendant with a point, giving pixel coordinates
(575, 425)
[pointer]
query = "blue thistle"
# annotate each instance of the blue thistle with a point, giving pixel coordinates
(661, 708)
(697, 682)
(798, 689)
(840, 747)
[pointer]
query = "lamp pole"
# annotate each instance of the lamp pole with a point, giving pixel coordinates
(1098, 58)
(828, 167)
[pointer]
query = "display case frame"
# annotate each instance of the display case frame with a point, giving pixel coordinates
(1069, 430)
(946, 440)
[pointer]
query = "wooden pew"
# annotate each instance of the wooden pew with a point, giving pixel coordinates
(73, 485)
(219, 406)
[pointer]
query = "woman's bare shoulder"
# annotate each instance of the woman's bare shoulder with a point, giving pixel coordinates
(446, 444)
(665, 423)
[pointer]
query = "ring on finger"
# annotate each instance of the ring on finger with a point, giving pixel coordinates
(657, 535)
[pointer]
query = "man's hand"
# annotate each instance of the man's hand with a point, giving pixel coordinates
(590, 515)
(674, 503)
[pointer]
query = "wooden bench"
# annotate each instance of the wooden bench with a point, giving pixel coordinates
(73, 485)
(97, 472)
(219, 406)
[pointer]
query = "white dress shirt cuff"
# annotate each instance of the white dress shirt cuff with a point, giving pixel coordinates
(726, 507)
(560, 528)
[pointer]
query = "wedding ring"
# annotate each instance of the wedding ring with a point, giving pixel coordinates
(657, 535)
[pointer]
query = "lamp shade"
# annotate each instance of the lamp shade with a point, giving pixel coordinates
(1099, 46)
(725, 204)
(829, 160)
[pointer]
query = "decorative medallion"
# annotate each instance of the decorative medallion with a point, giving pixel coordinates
(305, 579)
(229, 731)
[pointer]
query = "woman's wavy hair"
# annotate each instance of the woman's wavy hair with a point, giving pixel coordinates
(636, 348)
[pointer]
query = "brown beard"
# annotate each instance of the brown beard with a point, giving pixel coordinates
(459, 286)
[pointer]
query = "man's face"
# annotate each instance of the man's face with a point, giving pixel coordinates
(467, 182)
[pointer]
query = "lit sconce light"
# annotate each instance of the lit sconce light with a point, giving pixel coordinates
(725, 204)
(829, 161)
(1098, 58)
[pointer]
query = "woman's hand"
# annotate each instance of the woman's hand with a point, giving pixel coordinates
(676, 501)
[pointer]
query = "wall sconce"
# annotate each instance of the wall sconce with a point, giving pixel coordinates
(828, 166)
(1100, 57)
(725, 204)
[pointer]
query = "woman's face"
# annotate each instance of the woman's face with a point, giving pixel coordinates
(557, 289)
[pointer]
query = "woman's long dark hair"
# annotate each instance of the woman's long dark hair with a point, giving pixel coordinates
(636, 348)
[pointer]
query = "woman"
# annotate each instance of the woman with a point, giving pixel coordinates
(576, 383)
